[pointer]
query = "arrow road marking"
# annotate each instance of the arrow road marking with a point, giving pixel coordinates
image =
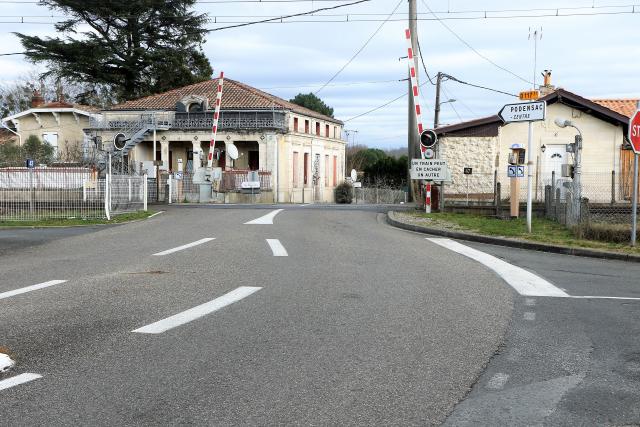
(277, 248)
(198, 311)
(266, 219)
(17, 380)
(30, 288)
(183, 247)
(523, 281)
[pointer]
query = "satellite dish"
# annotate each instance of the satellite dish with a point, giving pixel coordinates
(232, 150)
(119, 141)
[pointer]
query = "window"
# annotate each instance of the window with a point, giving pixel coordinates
(51, 139)
(335, 132)
(306, 126)
(306, 169)
(335, 170)
(294, 170)
(295, 124)
(326, 131)
(318, 128)
(326, 170)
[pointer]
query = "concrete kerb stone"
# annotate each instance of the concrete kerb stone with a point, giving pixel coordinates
(501, 241)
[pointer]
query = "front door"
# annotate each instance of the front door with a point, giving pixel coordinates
(553, 158)
(254, 160)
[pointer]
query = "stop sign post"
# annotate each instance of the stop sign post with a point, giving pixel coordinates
(634, 138)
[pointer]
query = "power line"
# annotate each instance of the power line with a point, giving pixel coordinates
(332, 85)
(361, 49)
(463, 41)
(451, 103)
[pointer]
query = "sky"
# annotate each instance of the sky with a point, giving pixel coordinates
(594, 53)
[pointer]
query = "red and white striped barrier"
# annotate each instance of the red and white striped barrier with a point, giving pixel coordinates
(427, 199)
(415, 89)
(216, 116)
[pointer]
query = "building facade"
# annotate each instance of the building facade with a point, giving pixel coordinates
(485, 144)
(298, 153)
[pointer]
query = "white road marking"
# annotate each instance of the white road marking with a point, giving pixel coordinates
(529, 315)
(523, 281)
(5, 362)
(183, 247)
(277, 248)
(17, 380)
(30, 288)
(594, 297)
(266, 219)
(530, 302)
(198, 311)
(157, 213)
(498, 381)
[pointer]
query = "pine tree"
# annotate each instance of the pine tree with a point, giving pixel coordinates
(133, 47)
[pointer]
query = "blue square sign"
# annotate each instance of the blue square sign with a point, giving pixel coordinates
(515, 171)
(31, 163)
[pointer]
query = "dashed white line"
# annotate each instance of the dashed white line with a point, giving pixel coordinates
(265, 219)
(198, 311)
(30, 288)
(183, 247)
(523, 281)
(497, 381)
(17, 380)
(277, 248)
(529, 315)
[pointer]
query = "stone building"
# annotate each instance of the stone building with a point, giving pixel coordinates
(485, 144)
(298, 153)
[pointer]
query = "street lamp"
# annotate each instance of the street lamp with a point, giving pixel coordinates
(438, 105)
(577, 188)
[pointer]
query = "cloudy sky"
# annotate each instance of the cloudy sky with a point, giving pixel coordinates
(595, 52)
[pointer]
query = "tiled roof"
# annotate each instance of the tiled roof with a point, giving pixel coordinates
(62, 104)
(235, 96)
(626, 107)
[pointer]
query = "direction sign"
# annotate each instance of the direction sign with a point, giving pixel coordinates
(430, 170)
(179, 176)
(634, 132)
(515, 171)
(524, 112)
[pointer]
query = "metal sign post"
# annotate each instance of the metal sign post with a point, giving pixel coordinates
(634, 138)
(526, 112)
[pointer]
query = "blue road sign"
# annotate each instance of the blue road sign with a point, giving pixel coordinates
(30, 163)
(515, 171)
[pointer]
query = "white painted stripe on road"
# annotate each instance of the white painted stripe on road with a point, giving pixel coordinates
(523, 281)
(266, 219)
(529, 315)
(594, 297)
(157, 213)
(198, 311)
(183, 247)
(277, 248)
(17, 380)
(30, 288)
(497, 381)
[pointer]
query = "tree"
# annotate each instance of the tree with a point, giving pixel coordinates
(312, 102)
(132, 47)
(13, 155)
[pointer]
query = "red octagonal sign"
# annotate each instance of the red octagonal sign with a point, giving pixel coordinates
(634, 132)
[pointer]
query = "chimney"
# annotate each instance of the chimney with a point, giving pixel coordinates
(547, 87)
(36, 99)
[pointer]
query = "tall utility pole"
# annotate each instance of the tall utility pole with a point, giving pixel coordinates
(436, 116)
(412, 133)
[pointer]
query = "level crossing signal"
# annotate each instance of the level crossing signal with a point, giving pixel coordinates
(428, 138)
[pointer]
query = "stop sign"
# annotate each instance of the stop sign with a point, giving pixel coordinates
(634, 132)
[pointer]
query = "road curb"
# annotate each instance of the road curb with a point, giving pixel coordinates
(33, 227)
(501, 241)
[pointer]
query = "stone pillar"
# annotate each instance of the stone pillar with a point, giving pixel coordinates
(164, 155)
(197, 153)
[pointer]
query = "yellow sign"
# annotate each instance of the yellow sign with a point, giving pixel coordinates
(530, 95)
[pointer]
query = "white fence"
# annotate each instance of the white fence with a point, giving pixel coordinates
(63, 193)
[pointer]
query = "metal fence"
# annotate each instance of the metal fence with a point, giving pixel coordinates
(379, 196)
(62, 193)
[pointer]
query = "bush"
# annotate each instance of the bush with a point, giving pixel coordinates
(344, 193)
(614, 233)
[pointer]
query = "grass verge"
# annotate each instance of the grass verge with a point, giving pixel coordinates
(71, 221)
(543, 230)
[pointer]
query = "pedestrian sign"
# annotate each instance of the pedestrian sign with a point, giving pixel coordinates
(515, 171)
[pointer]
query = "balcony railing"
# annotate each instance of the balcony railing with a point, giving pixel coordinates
(232, 120)
(232, 180)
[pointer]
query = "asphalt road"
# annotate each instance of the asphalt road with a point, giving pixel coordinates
(360, 324)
